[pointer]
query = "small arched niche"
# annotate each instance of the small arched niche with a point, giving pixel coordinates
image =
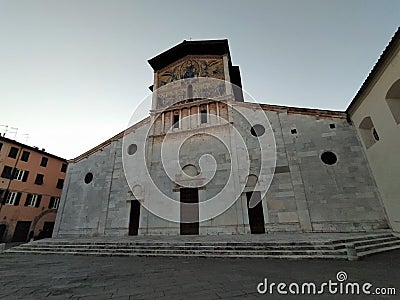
(368, 132)
(393, 100)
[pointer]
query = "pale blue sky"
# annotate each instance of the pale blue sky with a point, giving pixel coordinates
(73, 72)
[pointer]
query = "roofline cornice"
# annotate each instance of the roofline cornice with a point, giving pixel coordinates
(384, 60)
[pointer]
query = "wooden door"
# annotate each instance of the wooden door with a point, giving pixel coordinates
(134, 217)
(47, 230)
(256, 214)
(188, 213)
(21, 231)
(2, 231)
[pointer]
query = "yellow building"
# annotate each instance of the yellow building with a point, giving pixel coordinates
(375, 112)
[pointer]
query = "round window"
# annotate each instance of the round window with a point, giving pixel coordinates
(329, 158)
(257, 130)
(132, 149)
(88, 178)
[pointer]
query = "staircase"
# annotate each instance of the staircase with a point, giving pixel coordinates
(318, 248)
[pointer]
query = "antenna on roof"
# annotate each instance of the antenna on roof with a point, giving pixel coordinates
(14, 130)
(9, 129)
(26, 137)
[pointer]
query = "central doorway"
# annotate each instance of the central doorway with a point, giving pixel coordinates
(189, 195)
(256, 214)
(134, 217)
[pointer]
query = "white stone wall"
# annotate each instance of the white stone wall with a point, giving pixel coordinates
(305, 194)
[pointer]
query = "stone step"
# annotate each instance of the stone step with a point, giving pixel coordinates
(362, 238)
(194, 244)
(214, 245)
(208, 243)
(178, 247)
(378, 250)
(365, 244)
(376, 241)
(196, 251)
(377, 246)
(212, 255)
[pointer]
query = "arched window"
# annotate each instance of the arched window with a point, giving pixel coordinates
(190, 91)
(368, 132)
(190, 170)
(393, 100)
(251, 180)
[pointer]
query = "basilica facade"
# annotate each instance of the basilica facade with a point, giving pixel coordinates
(207, 161)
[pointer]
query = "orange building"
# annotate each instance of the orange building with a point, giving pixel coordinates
(31, 181)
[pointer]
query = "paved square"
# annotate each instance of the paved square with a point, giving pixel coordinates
(89, 277)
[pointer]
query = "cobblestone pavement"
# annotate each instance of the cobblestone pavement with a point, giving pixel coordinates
(86, 277)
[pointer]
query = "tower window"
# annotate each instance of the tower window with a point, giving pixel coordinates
(176, 120)
(203, 115)
(190, 91)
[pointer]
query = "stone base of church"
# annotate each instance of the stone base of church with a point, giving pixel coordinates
(349, 226)
(318, 227)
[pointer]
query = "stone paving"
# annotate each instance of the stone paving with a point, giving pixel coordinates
(82, 277)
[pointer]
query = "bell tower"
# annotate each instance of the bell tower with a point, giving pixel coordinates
(180, 68)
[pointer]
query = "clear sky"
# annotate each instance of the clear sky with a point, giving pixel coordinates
(72, 72)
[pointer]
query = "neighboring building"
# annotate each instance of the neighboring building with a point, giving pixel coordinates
(321, 183)
(31, 182)
(375, 112)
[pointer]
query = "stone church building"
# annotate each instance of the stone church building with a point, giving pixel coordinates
(206, 162)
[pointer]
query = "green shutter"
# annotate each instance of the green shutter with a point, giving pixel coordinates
(17, 198)
(51, 204)
(5, 197)
(25, 177)
(39, 198)
(28, 199)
